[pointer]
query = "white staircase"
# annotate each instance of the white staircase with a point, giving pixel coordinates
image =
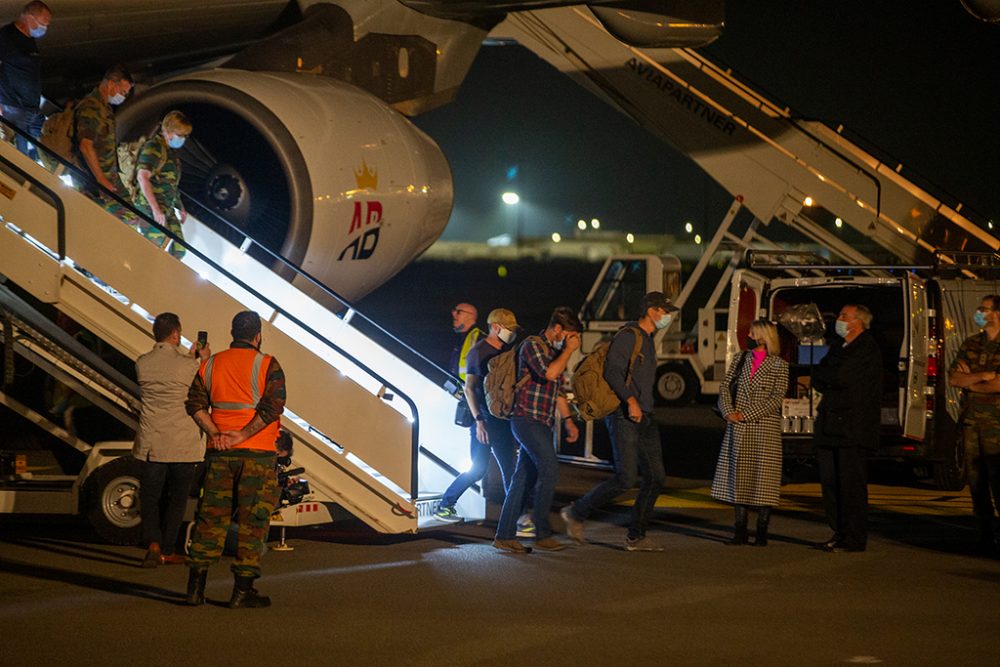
(374, 435)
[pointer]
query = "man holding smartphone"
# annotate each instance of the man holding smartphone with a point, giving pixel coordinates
(169, 444)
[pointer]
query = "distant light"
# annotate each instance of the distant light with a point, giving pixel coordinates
(502, 271)
(581, 224)
(688, 227)
(697, 239)
(990, 224)
(839, 223)
(510, 198)
(556, 237)
(808, 201)
(595, 223)
(630, 237)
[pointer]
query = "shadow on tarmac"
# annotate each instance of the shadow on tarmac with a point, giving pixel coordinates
(96, 582)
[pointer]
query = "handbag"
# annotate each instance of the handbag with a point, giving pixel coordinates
(733, 386)
(463, 415)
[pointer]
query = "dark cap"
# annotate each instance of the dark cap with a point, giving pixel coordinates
(657, 300)
(246, 325)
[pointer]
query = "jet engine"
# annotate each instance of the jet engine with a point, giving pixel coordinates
(316, 170)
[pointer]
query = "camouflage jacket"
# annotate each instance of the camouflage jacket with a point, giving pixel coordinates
(165, 169)
(981, 354)
(96, 121)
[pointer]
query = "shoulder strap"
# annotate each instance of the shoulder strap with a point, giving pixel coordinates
(636, 349)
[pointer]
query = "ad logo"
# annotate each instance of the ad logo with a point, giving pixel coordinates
(367, 218)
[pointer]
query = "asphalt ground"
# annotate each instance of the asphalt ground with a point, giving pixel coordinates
(346, 596)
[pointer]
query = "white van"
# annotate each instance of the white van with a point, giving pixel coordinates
(921, 317)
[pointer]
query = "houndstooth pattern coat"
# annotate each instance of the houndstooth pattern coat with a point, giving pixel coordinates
(749, 468)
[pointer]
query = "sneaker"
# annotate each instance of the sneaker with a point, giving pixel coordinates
(447, 514)
(549, 544)
(641, 544)
(574, 527)
(511, 546)
(526, 528)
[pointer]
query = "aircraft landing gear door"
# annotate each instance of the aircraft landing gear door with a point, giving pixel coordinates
(746, 303)
(914, 399)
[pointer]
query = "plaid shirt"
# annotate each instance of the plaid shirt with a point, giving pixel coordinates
(537, 398)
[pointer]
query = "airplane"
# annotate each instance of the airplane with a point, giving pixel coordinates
(301, 138)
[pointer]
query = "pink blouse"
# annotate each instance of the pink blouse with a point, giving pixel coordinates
(757, 359)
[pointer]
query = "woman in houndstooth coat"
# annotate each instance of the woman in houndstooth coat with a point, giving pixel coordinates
(748, 473)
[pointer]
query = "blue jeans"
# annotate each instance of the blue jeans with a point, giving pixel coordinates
(637, 452)
(539, 454)
(26, 120)
(502, 446)
(176, 479)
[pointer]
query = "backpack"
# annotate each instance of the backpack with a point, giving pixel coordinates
(592, 393)
(128, 156)
(58, 134)
(501, 384)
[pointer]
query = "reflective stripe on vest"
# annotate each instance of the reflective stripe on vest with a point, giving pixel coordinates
(235, 384)
(258, 361)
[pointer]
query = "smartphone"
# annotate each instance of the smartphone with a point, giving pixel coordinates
(202, 339)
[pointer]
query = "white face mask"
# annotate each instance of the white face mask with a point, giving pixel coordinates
(115, 100)
(506, 336)
(558, 344)
(664, 321)
(841, 328)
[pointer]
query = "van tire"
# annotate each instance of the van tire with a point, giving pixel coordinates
(111, 501)
(949, 474)
(676, 384)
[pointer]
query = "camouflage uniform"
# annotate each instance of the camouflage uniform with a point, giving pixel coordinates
(95, 120)
(256, 496)
(980, 425)
(165, 177)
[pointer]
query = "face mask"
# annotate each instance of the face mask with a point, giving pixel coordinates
(115, 100)
(979, 317)
(176, 141)
(458, 329)
(664, 321)
(841, 328)
(506, 336)
(558, 344)
(752, 343)
(38, 32)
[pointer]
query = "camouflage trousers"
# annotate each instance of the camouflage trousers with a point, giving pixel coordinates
(236, 488)
(981, 434)
(157, 236)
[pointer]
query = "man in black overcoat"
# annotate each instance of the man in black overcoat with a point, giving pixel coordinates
(847, 426)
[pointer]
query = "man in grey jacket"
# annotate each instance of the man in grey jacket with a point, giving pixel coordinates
(635, 437)
(169, 442)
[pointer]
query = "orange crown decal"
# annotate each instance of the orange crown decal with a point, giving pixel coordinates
(366, 179)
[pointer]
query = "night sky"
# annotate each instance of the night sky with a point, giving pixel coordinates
(917, 80)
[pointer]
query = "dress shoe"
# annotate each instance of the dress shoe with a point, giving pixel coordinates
(549, 544)
(842, 547)
(511, 546)
(172, 559)
(152, 557)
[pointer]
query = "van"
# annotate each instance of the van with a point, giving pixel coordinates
(921, 317)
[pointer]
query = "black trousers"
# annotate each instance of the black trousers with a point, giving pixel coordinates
(843, 473)
(162, 513)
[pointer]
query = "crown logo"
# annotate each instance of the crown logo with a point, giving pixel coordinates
(366, 179)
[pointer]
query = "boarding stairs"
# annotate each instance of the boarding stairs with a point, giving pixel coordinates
(375, 435)
(800, 172)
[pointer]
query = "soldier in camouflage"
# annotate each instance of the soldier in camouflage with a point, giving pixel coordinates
(96, 142)
(236, 398)
(158, 176)
(975, 371)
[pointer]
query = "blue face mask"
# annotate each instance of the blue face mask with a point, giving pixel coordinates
(176, 141)
(664, 321)
(841, 328)
(38, 32)
(979, 317)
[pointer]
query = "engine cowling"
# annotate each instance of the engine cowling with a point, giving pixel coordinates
(314, 169)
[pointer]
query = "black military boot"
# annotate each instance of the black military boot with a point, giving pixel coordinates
(763, 518)
(245, 596)
(740, 525)
(196, 587)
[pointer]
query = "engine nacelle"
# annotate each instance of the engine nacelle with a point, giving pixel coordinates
(318, 171)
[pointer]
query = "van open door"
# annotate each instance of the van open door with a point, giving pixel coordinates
(913, 399)
(746, 304)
